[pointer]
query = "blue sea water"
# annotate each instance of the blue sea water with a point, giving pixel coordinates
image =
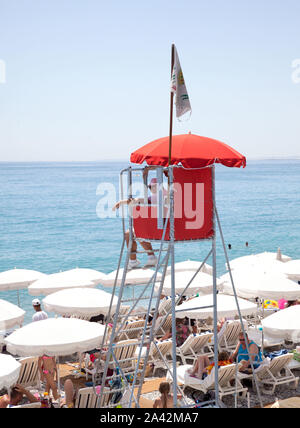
(48, 218)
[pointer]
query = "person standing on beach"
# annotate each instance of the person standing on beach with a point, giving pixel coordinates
(39, 314)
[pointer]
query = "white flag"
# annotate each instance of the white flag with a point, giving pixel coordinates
(178, 87)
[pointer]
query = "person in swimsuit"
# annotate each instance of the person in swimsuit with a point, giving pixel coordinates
(166, 399)
(182, 332)
(203, 366)
(240, 355)
(15, 396)
(48, 370)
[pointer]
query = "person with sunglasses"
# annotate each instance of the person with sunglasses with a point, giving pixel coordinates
(241, 355)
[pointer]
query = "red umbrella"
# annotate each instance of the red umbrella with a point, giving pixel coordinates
(191, 151)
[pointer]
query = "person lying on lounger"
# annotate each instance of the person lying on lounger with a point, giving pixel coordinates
(203, 367)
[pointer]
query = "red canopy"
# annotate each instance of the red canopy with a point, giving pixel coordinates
(191, 151)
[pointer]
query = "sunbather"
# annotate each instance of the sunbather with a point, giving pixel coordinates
(15, 396)
(182, 332)
(241, 353)
(203, 366)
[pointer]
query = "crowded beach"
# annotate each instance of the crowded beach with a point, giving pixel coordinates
(59, 360)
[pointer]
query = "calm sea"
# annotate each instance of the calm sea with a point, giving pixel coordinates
(48, 218)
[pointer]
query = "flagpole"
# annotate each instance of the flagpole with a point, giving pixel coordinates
(171, 106)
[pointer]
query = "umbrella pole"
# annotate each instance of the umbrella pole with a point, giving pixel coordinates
(19, 299)
(58, 381)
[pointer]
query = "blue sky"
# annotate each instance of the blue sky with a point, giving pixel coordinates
(89, 80)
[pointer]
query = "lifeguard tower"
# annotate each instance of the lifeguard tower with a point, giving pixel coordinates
(187, 214)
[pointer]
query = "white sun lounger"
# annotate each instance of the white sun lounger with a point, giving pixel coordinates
(195, 345)
(132, 330)
(274, 372)
(29, 373)
(87, 399)
(228, 336)
(158, 353)
(226, 376)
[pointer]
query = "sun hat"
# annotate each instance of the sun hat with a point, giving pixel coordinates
(36, 302)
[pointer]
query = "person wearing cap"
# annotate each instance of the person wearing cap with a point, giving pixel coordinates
(39, 314)
(152, 260)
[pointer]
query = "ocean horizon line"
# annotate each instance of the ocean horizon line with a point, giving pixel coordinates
(263, 158)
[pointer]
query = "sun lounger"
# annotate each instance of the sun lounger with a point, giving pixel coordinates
(277, 373)
(228, 336)
(132, 330)
(124, 352)
(195, 345)
(229, 384)
(87, 399)
(29, 373)
(162, 326)
(158, 353)
(274, 372)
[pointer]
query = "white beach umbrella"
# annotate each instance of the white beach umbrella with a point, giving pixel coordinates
(80, 302)
(10, 315)
(265, 261)
(192, 266)
(17, 279)
(254, 283)
(83, 274)
(56, 282)
(226, 306)
(203, 283)
(55, 337)
(284, 324)
(9, 371)
(291, 269)
(134, 276)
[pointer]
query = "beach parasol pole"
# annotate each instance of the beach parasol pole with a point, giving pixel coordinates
(171, 106)
(172, 236)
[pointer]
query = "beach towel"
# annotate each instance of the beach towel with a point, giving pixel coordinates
(274, 354)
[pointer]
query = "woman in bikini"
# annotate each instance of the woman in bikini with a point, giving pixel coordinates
(47, 368)
(166, 399)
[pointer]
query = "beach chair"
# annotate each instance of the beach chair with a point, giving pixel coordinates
(29, 373)
(124, 309)
(229, 383)
(165, 304)
(87, 399)
(36, 405)
(132, 330)
(276, 372)
(228, 336)
(158, 353)
(162, 326)
(195, 345)
(124, 352)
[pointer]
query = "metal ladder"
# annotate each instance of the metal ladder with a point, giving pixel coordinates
(119, 355)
